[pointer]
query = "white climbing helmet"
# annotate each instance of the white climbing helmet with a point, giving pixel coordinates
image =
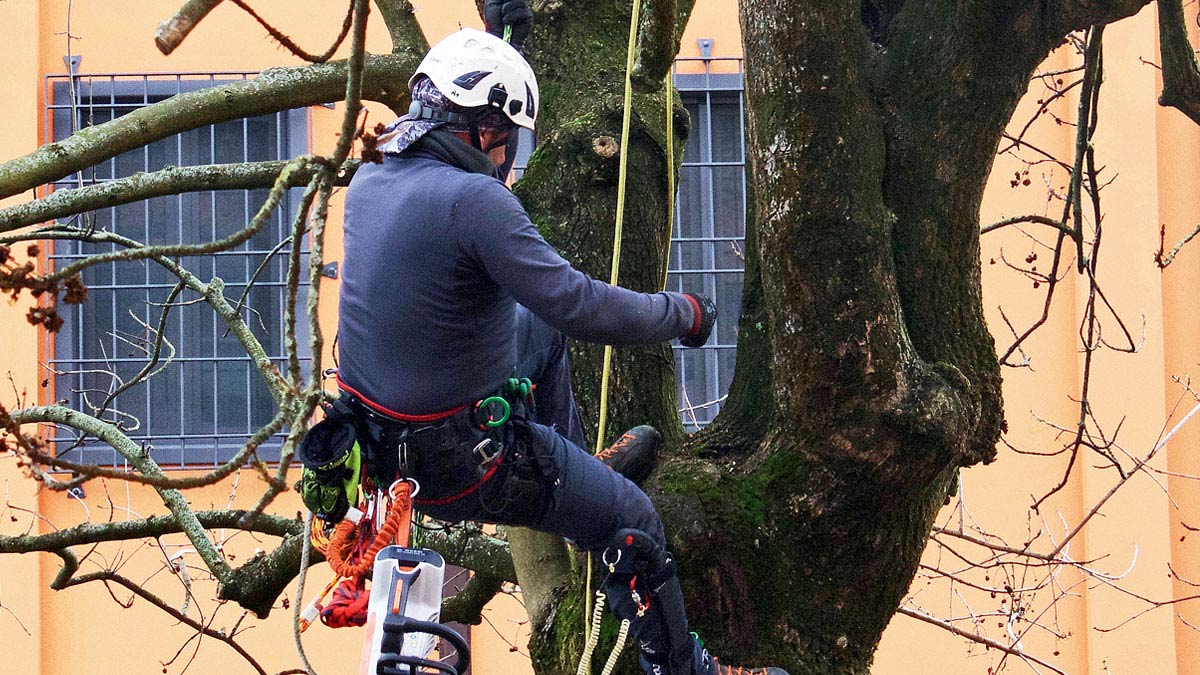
(473, 68)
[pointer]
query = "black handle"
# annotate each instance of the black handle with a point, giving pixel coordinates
(396, 626)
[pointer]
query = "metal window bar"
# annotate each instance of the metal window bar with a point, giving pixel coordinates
(709, 226)
(204, 406)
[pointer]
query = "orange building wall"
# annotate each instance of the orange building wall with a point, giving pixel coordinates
(20, 594)
(1154, 151)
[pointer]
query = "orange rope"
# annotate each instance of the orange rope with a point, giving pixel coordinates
(396, 527)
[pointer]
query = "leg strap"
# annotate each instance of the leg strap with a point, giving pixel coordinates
(643, 587)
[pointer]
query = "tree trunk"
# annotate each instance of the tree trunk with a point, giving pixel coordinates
(867, 376)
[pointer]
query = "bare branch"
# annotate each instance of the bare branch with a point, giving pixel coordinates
(261, 217)
(276, 89)
(324, 182)
(922, 616)
(141, 592)
(153, 527)
(213, 293)
(143, 462)
(1040, 220)
(170, 181)
(1180, 71)
(290, 45)
(1163, 260)
(1125, 479)
(172, 32)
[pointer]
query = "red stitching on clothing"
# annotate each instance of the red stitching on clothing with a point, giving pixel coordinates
(446, 500)
(430, 417)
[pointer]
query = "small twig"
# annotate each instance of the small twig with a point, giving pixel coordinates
(291, 46)
(922, 616)
(1163, 260)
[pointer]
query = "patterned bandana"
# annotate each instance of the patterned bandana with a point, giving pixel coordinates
(404, 131)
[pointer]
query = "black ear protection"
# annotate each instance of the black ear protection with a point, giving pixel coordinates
(419, 111)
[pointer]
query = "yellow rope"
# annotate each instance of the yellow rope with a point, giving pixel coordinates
(670, 103)
(627, 113)
(622, 174)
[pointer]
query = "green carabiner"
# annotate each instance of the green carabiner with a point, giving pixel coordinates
(492, 423)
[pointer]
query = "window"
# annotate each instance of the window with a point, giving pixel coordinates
(710, 227)
(203, 406)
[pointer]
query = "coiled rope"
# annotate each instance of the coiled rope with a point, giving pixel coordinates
(585, 663)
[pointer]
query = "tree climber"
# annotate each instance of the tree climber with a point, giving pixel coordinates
(437, 357)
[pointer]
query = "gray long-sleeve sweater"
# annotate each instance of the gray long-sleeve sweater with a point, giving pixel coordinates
(435, 258)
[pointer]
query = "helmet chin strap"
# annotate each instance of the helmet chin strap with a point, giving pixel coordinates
(419, 111)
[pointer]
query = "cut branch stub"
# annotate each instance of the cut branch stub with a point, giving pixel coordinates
(172, 32)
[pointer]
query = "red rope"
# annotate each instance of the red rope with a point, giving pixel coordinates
(348, 606)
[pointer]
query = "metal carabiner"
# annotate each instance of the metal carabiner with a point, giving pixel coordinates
(416, 487)
(612, 566)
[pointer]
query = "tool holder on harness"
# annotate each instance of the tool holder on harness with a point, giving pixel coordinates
(402, 619)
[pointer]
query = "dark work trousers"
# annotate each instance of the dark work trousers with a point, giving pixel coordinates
(583, 500)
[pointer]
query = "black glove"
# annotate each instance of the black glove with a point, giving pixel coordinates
(708, 319)
(516, 13)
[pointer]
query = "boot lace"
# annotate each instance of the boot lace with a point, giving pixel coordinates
(613, 449)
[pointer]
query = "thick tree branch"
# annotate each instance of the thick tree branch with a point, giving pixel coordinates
(170, 181)
(1071, 15)
(544, 567)
(276, 89)
(407, 36)
(469, 547)
(153, 527)
(657, 44)
(172, 32)
(466, 606)
(1180, 71)
(90, 471)
(261, 217)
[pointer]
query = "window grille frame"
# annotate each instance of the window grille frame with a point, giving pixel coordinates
(704, 80)
(115, 94)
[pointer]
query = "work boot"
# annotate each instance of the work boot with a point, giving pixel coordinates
(635, 454)
(707, 665)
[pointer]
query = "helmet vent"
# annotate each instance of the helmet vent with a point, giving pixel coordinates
(530, 106)
(469, 80)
